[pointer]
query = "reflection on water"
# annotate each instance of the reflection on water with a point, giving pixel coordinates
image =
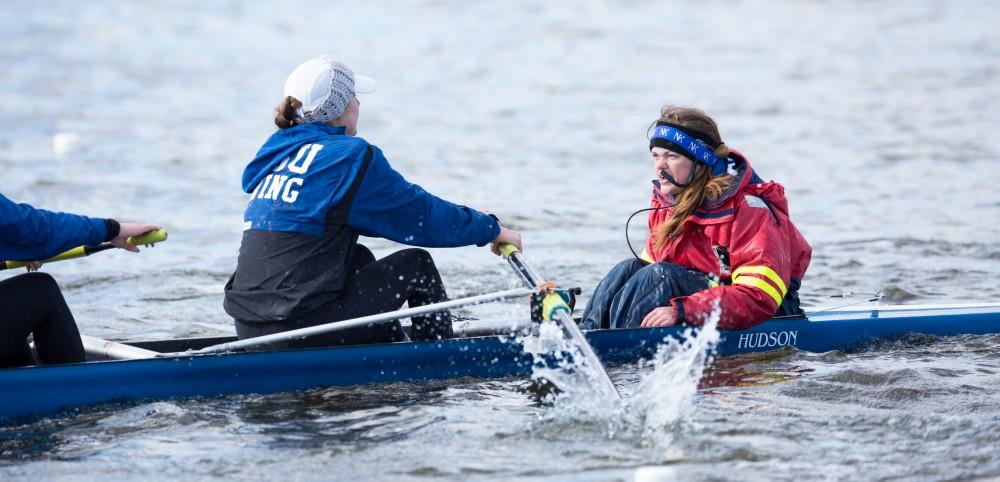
(752, 370)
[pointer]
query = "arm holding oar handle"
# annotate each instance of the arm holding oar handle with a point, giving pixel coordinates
(133, 235)
(506, 237)
(96, 347)
(149, 238)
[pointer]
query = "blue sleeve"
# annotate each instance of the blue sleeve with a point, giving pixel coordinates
(388, 206)
(29, 234)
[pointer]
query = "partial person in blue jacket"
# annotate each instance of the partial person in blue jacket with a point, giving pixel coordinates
(314, 188)
(32, 303)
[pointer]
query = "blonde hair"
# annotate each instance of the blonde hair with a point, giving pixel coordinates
(703, 188)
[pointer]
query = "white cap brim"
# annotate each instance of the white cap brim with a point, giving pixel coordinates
(363, 85)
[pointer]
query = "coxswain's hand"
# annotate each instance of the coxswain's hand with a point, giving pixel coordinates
(33, 266)
(506, 236)
(662, 316)
(128, 230)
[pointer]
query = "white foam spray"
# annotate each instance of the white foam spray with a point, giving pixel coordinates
(650, 408)
(663, 394)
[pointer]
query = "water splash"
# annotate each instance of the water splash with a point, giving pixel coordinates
(662, 396)
(650, 409)
(557, 361)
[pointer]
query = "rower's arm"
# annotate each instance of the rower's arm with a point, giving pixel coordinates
(29, 234)
(388, 206)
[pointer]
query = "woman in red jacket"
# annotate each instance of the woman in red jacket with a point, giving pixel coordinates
(716, 237)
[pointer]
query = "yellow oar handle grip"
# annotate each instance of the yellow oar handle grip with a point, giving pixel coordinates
(508, 250)
(77, 252)
(149, 238)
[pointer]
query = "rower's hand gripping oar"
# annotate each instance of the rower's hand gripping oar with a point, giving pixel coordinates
(96, 347)
(555, 308)
(149, 238)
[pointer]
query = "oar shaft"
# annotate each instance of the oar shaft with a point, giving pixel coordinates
(77, 252)
(110, 350)
(363, 321)
(533, 279)
(489, 327)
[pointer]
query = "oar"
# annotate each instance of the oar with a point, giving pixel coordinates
(355, 322)
(151, 237)
(554, 308)
(112, 350)
(101, 349)
(97, 347)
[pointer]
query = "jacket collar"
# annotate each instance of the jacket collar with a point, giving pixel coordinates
(329, 129)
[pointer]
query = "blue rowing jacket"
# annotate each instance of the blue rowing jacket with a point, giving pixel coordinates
(302, 172)
(30, 234)
(313, 191)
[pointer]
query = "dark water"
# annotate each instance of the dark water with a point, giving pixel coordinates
(876, 117)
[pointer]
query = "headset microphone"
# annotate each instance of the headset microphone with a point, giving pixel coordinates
(666, 175)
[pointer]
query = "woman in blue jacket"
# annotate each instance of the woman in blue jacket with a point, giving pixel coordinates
(32, 302)
(314, 188)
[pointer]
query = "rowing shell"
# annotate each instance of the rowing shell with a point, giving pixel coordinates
(52, 389)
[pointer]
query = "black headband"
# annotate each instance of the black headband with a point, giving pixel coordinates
(670, 146)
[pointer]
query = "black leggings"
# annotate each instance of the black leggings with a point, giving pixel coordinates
(32, 304)
(372, 287)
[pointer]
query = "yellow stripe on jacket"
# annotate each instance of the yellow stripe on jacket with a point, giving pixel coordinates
(740, 277)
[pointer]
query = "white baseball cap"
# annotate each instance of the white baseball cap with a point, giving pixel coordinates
(325, 85)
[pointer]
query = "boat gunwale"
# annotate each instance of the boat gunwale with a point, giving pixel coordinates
(814, 317)
(57, 388)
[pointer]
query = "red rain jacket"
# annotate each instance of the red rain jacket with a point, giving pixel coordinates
(765, 251)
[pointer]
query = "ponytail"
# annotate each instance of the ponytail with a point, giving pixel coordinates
(287, 113)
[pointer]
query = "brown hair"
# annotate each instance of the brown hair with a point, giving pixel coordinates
(286, 114)
(703, 186)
